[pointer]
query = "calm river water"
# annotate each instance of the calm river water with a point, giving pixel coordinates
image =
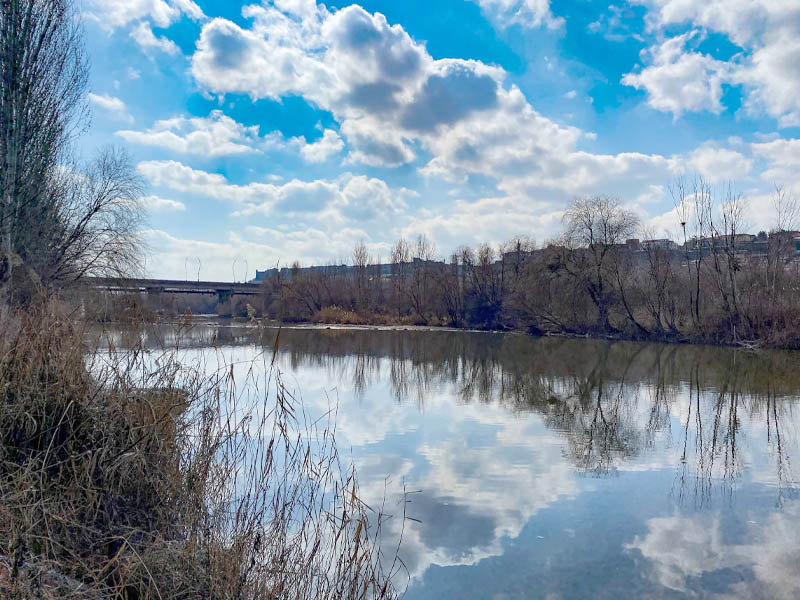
(550, 468)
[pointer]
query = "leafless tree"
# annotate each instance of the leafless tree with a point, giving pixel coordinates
(421, 274)
(360, 275)
(595, 228)
(659, 287)
(400, 257)
(724, 242)
(58, 222)
(787, 211)
(693, 198)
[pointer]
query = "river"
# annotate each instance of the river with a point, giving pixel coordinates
(555, 468)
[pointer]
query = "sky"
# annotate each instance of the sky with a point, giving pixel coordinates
(287, 130)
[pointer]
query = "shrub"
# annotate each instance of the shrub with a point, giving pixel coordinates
(124, 474)
(338, 316)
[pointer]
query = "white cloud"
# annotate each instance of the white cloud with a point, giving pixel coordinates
(349, 197)
(720, 164)
(488, 220)
(146, 39)
(329, 144)
(157, 204)
(111, 104)
(774, 76)
(375, 146)
(216, 258)
(383, 87)
(783, 160)
(615, 24)
(220, 135)
(181, 178)
(118, 13)
(678, 80)
(395, 104)
(215, 135)
(527, 13)
(365, 198)
(742, 20)
(766, 30)
(266, 247)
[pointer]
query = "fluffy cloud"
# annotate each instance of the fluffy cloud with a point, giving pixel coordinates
(157, 204)
(262, 196)
(216, 135)
(349, 197)
(677, 80)
(383, 87)
(147, 40)
(396, 105)
(719, 164)
(265, 247)
(329, 144)
(769, 66)
(118, 13)
(774, 76)
(372, 145)
(220, 135)
(112, 105)
(527, 13)
(364, 198)
(783, 160)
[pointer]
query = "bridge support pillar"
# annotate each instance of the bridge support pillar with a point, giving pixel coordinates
(155, 297)
(225, 303)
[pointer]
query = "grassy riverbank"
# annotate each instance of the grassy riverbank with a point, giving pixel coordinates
(129, 475)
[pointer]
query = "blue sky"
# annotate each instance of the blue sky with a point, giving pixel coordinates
(269, 132)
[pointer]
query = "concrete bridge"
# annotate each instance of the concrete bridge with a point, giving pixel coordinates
(225, 291)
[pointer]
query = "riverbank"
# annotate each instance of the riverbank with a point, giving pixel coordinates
(126, 474)
(383, 324)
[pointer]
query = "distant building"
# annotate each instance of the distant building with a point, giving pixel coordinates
(662, 244)
(785, 239)
(633, 245)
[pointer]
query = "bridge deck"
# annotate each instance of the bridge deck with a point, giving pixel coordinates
(174, 286)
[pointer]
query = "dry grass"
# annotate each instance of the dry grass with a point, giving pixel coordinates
(130, 475)
(338, 316)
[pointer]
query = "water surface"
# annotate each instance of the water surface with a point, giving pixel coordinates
(552, 468)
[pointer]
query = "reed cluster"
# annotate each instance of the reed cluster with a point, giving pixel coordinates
(126, 473)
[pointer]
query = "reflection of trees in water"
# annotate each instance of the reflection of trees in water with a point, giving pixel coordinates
(612, 401)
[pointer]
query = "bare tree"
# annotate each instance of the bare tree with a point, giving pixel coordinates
(595, 227)
(57, 221)
(658, 285)
(361, 275)
(787, 210)
(400, 257)
(724, 241)
(693, 197)
(421, 274)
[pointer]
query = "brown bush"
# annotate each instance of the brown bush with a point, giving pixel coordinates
(124, 474)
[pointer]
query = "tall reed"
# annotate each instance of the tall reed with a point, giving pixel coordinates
(130, 474)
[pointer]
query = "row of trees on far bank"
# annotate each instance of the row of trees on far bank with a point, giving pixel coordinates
(594, 279)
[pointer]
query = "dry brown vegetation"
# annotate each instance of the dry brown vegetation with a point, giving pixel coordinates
(587, 282)
(126, 474)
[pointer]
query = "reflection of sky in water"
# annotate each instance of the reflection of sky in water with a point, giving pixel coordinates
(562, 468)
